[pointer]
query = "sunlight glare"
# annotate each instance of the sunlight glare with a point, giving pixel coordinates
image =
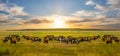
(58, 23)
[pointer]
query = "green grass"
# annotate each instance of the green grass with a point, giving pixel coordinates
(28, 48)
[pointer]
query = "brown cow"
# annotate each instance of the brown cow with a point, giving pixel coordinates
(109, 42)
(13, 41)
(46, 40)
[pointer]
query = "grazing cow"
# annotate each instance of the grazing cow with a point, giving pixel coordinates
(12, 38)
(18, 39)
(26, 37)
(109, 42)
(110, 37)
(59, 38)
(15, 37)
(65, 40)
(81, 39)
(87, 39)
(35, 39)
(13, 41)
(5, 40)
(105, 37)
(73, 40)
(96, 37)
(46, 40)
(50, 37)
(70, 38)
(117, 40)
(84, 39)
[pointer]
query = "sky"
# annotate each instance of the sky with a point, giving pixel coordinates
(41, 14)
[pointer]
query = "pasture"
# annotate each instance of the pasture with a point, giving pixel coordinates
(54, 48)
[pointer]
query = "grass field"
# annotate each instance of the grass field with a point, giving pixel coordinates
(28, 48)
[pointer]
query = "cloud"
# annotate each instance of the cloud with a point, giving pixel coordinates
(90, 3)
(12, 9)
(110, 5)
(36, 20)
(118, 14)
(3, 6)
(108, 26)
(114, 4)
(98, 20)
(32, 21)
(8, 13)
(90, 20)
(3, 17)
(4, 21)
(17, 11)
(89, 14)
(83, 13)
(80, 18)
(84, 20)
(99, 7)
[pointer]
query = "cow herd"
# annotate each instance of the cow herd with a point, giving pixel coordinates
(110, 38)
(13, 39)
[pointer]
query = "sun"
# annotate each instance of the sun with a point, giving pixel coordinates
(59, 23)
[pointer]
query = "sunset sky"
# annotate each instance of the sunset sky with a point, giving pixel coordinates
(37, 14)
